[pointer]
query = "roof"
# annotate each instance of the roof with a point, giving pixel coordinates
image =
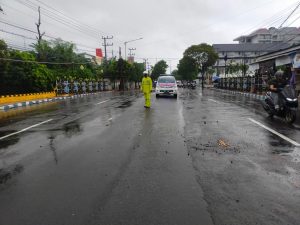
(279, 53)
(289, 30)
(260, 31)
(272, 31)
(256, 32)
(250, 47)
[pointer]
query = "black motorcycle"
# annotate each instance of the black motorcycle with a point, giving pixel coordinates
(191, 85)
(288, 104)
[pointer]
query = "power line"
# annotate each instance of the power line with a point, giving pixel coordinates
(279, 44)
(50, 63)
(75, 20)
(20, 35)
(45, 21)
(19, 27)
(213, 23)
(271, 20)
(59, 19)
(72, 19)
(48, 36)
(290, 15)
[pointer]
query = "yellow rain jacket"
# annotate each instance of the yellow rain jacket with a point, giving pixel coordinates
(146, 85)
(147, 89)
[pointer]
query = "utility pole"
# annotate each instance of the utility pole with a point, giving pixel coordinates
(244, 65)
(126, 42)
(38, 24)
(130, 50)
(120, 52)
(146, 63)
(105, 44)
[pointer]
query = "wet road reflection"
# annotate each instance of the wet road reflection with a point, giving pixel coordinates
(72, 128)
(53, 148)
(117, 158)
(8, 173)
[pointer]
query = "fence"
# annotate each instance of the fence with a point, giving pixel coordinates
(247, 84)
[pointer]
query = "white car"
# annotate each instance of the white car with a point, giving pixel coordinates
(166, 86)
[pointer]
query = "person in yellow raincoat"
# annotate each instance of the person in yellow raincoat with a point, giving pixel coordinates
(147, 89)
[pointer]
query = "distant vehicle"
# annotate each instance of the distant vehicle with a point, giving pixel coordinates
(166, 86)
(179, 83)
(192, 85)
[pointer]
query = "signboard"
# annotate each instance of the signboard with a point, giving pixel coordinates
(99, 56)
(284, 60)
(296, 61)
(99, 52)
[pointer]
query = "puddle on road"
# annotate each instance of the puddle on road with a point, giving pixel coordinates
(125, 104)
(71, 129)
(279, 151)
(8, 173)
(4, 143)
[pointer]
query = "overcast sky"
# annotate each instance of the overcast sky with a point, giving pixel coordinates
(168, 27)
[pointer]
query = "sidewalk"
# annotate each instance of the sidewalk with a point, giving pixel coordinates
(14, 105)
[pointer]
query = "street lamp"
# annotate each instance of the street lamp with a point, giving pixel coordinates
(125, 43)
(225, 59)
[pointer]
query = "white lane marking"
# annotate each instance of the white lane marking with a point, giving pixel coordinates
(102, 102)
(275, 132)
(294, 125)
(6, 136)
(110, 119)
(213, 100)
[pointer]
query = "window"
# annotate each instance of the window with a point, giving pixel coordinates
(166, 79)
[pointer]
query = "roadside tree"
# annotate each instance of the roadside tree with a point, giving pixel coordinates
(187, 69)
(159, 68)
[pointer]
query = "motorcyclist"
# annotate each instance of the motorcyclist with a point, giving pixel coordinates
(276, 85)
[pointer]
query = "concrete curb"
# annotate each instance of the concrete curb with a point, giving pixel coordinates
(41, 101)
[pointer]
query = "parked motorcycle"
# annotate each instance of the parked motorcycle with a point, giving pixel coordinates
(191, 85)
(288, 104)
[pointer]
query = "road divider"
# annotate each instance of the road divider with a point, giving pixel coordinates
(275, 132)
(25, 129)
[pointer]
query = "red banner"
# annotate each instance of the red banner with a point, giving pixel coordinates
(99, 52)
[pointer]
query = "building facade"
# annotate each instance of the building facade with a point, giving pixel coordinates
(243, 54)
(287, 59)
(290, 35)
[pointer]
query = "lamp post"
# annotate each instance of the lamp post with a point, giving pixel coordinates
(126, 42)
(225, 59)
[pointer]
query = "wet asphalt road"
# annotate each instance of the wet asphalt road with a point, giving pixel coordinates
(104, 159)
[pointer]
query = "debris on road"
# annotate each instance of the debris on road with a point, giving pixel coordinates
(223, 144)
